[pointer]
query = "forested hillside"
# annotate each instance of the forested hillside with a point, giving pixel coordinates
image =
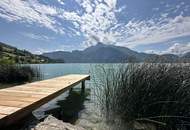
(11, 55)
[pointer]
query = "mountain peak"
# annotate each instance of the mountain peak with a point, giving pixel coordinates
(100, 44)
(105, 53)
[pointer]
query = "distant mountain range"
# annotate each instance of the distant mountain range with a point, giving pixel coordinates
(9, 54)
(101, 53)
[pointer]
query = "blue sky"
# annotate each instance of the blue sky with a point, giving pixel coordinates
(152, 26)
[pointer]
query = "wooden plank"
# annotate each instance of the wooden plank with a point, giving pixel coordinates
(21, 94)
(26, 92)
(16, 98)
(41, 90)
(8, 110)
(18, 104)
(18, 101)
(2, 116)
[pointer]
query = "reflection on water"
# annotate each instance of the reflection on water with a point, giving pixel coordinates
(70, 107)
(76, 107)
(79, 108)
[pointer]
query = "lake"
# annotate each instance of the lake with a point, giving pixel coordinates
(74, 107)
(82, 108)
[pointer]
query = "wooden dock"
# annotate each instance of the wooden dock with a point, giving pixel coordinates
(19, 101)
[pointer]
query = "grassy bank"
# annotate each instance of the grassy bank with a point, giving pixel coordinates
(10, 74)
(13, 55)
(156, 94)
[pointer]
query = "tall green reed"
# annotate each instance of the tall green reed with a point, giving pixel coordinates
(157, 94)
(18, 73)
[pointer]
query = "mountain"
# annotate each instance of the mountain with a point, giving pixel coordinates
(101, 53)
(9, 54)
(186, 55)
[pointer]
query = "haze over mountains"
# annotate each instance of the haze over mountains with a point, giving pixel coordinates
(101, 53)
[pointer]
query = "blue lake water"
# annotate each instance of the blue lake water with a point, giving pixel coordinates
(74, 107)
(55, 70)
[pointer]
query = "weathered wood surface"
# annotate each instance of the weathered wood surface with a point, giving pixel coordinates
(16, 102)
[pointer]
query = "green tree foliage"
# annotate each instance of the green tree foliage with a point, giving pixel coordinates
(11, 55)
(6, 61)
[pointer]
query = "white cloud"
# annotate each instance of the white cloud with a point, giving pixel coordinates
(152, 52)
(38, 36)
(103, 24)
(111, 3)
(71, 47)
(164, 15)
(61, 2)
(66, 47)
(43, 9)
(86, 4)
(148, 32)
(30, 12)
(178, 48)
(97, 21)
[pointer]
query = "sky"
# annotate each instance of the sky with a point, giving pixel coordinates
(151, 26)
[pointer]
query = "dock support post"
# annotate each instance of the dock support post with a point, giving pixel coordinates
(71, 89)
(83, 85)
